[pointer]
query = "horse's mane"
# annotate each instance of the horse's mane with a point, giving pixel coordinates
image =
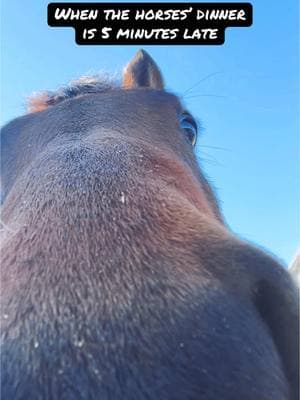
(84, 85)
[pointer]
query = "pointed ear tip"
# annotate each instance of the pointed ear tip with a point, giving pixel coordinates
(142, 54)
(142, 71)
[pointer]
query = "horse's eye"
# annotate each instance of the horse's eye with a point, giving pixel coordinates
(188, 124)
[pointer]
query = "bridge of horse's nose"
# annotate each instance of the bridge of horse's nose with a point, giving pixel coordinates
(114, 150)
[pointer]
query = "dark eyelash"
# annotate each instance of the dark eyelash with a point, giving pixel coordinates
(187, 116)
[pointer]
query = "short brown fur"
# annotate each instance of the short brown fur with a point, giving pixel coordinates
(120, 279)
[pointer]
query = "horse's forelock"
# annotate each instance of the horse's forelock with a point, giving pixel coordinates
(84, 85)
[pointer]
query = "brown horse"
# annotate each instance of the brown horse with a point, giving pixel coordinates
(120, 280)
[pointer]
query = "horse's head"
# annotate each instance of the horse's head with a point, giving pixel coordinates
(94, 116)
(119, 278)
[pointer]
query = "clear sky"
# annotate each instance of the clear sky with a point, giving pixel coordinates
(247, 100)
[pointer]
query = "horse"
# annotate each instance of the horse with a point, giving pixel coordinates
(120, 278)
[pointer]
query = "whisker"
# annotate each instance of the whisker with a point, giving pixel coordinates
(202, 80)
(206, 95)
(208, 161)
(5, 228)
(214, 147)
(212, 160)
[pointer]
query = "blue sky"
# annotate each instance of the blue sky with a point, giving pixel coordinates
(247, 100)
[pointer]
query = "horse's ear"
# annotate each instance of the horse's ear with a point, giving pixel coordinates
(142, 71)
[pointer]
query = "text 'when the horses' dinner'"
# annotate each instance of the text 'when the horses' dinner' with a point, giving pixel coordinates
(150, 23)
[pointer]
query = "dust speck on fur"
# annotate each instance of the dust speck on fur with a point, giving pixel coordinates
(79, 343)
(122, 198)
